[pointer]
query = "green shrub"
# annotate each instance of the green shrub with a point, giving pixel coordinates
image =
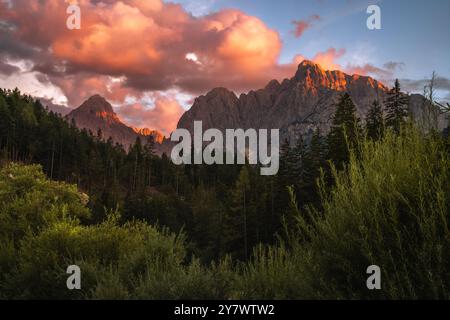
(42, 235)
(390, 207)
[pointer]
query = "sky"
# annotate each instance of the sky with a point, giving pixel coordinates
(151, 58)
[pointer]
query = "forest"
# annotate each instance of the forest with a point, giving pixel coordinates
(371, 191)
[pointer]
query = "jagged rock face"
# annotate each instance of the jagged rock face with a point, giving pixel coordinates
(97, 113)
(295, 106)
(146, 132)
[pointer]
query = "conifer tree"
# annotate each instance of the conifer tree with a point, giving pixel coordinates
(396, 106)
(236, 229)
(375, 121)
(296, 160)
(345, 131)
(6, 122)
(313, 161)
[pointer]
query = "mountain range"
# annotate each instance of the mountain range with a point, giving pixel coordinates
(297, 106)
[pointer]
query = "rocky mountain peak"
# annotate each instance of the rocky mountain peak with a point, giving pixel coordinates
(146, 132)
(295, 106)
(96, 104)
(308, 69)
(220, 93)
(97, 115)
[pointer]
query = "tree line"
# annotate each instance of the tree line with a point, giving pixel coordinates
(222, 209)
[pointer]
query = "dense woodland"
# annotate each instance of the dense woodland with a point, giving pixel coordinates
(371, 191)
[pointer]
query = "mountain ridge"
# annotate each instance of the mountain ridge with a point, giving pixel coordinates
(306, 100)
(97, 115)
(297, 106)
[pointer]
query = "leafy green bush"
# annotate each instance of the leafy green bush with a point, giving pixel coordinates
(42, 235)
(29, 201)
(390, 208)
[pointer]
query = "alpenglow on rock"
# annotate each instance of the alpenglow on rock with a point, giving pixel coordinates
(296, 106)
(97, 114)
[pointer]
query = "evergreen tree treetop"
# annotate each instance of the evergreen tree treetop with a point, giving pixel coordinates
(396, 106)
(345, 130)
(375, 121)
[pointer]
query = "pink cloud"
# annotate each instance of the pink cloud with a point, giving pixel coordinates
(163, 116)
(147, 42)
(130, 48)
(326, 59)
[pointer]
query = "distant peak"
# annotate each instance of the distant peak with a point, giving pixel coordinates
(146, 132)
(219, 91)
(308, 68)
(308, 64)
(305, 63)
(97, 99)
(97, 104)
(272, 86)
(96, 96)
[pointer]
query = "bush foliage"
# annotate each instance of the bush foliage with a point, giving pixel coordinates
(389, 206)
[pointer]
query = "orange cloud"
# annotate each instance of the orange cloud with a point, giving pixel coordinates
(326, 59)
(162, 116)
(144, 43)
(147, 42)
(130, 48)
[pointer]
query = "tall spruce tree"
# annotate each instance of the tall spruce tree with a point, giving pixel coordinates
(375, 121)
(313, 159)
(236, 227)
(345, 131)
(296, 160)
(396, 106)
(285, 177)
(6, 125)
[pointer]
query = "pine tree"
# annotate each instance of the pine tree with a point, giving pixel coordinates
(6, 123)
(375, 121)
(345, 131)
(284, 177)
(296, 160)
(149, 153)
(396, 106)
(236, 222)
(313, 161)
(285, 151)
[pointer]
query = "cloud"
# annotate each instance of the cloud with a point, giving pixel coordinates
(7, 69)
(302, 25)
(35, 84)
(147, 42)
(393, 66)
(369, 69)
(57, 108)
(440, 83)
(150, 45)
(131, 49)
(327, 59)
(163, 115)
